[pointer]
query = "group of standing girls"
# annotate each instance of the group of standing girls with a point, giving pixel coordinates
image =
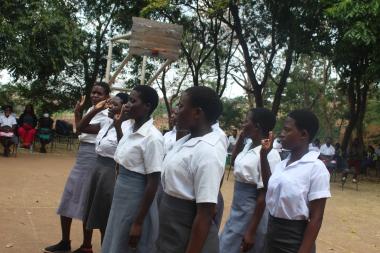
(122, 164)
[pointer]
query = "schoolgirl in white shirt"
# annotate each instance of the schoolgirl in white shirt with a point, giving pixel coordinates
(133, 221)
(191, 177)
(297, 189)
(246, 226)
(103, 175)
(76, 188)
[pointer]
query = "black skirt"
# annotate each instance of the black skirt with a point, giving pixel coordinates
(176, 219)
(285, 236)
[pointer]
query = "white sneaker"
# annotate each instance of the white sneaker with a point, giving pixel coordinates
(354, 180)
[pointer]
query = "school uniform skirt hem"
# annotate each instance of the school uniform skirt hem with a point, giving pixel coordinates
(176, 220)
(242, 209)
(285, 236)
(128, 194)
(75, 192)
(100, 193)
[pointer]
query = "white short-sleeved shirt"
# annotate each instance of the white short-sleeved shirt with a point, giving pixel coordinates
(100, 118)
(277, 145)
(329, 151)
(169, 139)
(215, 128)
(106, 140)
(292, 187)
(232, 140)
(247, 166)
(7, 121)
(141, 151)
(193, 169)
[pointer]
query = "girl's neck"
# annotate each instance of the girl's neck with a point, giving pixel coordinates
(139, 122)
(255, 142)
(298, 153)
(200, 130)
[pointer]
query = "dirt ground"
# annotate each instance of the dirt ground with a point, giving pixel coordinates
(31, 186)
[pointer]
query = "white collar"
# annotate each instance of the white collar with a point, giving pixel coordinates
(211, 138)
(309, 157)
(144, 129)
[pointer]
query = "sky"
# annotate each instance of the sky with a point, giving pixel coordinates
(231, 91)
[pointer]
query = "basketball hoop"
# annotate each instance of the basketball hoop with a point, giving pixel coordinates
(148, 39)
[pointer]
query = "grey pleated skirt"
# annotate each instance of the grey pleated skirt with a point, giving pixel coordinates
(242, 209)
(219, 210)
(285, 236)
(74, 195)
(176, 220)
(100, 193)
(127, 197)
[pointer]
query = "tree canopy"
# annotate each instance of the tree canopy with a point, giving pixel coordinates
(285, 54)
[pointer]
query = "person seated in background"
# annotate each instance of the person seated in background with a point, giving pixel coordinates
(232, 141)
(369, 160)
(341, 163)
(8, 125)
(315, 145)
(45, 131)
(27, 126)
(327, 154)
(354, 158)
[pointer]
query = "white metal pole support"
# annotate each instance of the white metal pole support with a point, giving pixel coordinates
(125, 61)
(121, 89)
(142, 79)
(109, 61)
(155, 76)
(120, 37)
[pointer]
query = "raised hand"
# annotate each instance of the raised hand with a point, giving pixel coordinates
(119, 118)
(80, 104)
(101, 105)
(267, 144)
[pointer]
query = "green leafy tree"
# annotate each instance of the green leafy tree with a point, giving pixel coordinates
(355, 54)
(39, 41)
(234, 111)
(271, 34)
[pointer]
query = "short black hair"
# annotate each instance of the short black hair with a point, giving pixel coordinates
(7, 107)
(105, 86)
(264, 118)
(123, 96)
(148, 95)
(305, 120)
(207, 99)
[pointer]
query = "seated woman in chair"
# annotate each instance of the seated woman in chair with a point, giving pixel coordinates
(45, 131)
(27, 126)
(8, 125)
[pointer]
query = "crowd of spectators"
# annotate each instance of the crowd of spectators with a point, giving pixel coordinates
(25, 129)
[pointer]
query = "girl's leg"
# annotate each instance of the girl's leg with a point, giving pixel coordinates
(102, 233)
(66, 227)
(87, 237)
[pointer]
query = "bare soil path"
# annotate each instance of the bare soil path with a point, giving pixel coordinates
(31, 187)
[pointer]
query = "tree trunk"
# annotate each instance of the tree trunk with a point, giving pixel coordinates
(353, 117)
(284, 77)
(361, 115)
(247, 57)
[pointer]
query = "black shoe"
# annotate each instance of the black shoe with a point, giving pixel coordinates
(42, 150)
(83, 250)
(61, 247)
